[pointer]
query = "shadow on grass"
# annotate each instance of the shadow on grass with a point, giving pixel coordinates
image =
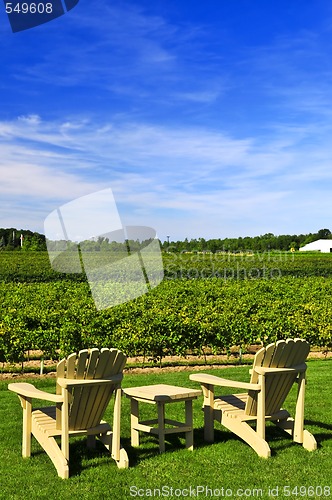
(320, 436)
(275, 437)
(317, 429)
(149, 446)
(82, 457)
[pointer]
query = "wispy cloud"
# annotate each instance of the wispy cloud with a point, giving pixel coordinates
(104, 42)
(174, 173)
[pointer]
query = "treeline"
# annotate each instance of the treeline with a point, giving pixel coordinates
(264, 243)
(22, 239)
(101, 244)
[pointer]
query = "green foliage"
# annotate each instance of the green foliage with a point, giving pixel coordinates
(17, 239)
(31, 267)
(263, 243)
(210, 304)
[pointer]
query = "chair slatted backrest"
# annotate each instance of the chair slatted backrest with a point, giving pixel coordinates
(88, 404)
(282, 354)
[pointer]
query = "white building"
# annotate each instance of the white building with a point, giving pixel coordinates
(324, 246)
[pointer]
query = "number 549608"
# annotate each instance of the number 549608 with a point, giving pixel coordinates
(32, 8)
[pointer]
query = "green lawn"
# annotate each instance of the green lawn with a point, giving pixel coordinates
(223, 469)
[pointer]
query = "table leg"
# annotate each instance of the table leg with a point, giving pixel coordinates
(134, 418)
(161, 426)
(189, 422)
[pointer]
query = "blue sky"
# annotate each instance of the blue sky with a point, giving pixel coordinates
(207, 119)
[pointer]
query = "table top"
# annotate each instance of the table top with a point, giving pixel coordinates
(162, 392)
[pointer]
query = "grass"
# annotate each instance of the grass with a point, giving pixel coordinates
(226, 468)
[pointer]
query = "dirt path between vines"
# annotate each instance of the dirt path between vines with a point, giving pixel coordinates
(169, 364)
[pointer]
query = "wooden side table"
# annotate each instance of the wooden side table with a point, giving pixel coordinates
(159, 395)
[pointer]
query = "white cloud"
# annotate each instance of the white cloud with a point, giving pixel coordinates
(30, 119)
(185, 181)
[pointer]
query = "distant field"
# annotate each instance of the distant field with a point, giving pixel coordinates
(249, 265)
(29, 267)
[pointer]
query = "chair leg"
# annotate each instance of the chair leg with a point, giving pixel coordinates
(209, 412)
(134, 420)
(123, 461)
(287, 425)
(91, 441)
(26, 436)
(116, 425)
(54, 452)
(307, 440)
(111, 439)
(248, 434)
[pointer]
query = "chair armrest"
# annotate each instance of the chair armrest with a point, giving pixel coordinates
(69, 382)
(30, 391)
(207, 379)
(262, 370)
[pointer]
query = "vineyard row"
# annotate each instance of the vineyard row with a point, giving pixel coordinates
(177, 317)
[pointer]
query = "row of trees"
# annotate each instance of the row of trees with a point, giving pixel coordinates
(13, 239)
(262, 243)
(21, 239)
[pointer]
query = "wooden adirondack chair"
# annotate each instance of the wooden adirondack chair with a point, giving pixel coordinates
(84, 386)
(275, 369)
